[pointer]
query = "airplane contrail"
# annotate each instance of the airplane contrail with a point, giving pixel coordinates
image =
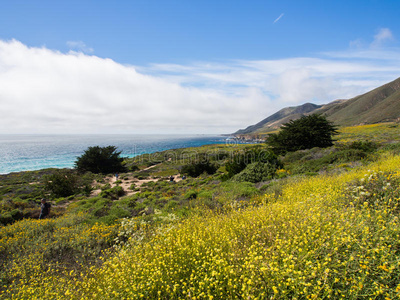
(278, 18)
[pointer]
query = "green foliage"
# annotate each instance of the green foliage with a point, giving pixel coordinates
(394, 148)
(205, 195)
(171, 205)
(195, 169)
(311, 161)
(17, 209)
(113, 193)
(102, 160)
(10, 217)
(238, 190)
(64, 183)
(305, 133)
(191, 194)
(23, 185)
(133, 168)
(258, 157)
(365, 146)
(256, 172)
(237, 164)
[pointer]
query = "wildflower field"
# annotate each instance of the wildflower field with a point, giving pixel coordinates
(381, 132)
(332, 235)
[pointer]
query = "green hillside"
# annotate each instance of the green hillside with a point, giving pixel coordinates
(274, 121)
(379, 105)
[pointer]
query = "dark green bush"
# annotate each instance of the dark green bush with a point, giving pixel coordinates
(6, 218)
(258, 155)
(113, 193)
(191, 195)
(195, 169)
(16, 214)
(256, 172)
(133, 168)
(64, 183)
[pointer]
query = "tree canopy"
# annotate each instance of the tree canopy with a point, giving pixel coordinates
(102, 160)
(304, 133)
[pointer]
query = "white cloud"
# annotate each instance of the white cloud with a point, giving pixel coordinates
(384, 35)
(294, 80)
(79, 46)
(356, 44)
(47, 91)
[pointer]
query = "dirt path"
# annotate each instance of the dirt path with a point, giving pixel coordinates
(127, 182)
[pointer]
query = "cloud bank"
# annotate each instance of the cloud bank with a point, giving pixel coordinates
(46, 91)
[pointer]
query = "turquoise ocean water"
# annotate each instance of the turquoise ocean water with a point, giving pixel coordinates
(35, 152)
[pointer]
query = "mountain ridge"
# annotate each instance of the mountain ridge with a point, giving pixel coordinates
(381, 104)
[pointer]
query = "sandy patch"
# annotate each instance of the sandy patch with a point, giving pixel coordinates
(125, 184)
(128, 181)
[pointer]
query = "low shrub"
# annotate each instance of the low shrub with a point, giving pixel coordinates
(205, 195)
(191, 195)
(6, 218)
(250, 156)
(171, 205)
(238, 190)
(315, 165)
(113, 193)
(256, 172)
(195, 169)
(365, 146)
(64, 183)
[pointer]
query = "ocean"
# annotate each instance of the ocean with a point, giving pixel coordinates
(35, 152)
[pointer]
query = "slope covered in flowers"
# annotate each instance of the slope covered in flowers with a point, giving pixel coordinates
(329, 236)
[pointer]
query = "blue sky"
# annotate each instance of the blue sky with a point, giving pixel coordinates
(214, 66)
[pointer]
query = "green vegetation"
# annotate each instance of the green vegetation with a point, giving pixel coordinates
(315, 223)
(195, 169)
(253, 165)
(102, 160)
(304, 133)
(64, 183)
(256, 172)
